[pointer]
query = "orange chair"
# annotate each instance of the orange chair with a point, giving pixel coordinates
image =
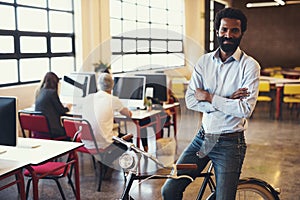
(85, 132)
(37, 125)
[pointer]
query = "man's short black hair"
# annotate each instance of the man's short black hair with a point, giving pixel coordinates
(231, 13)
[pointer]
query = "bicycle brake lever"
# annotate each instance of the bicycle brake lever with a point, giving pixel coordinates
(174, 174)
(181, 176)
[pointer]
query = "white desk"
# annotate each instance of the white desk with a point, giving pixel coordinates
(13, 168)
(24, 155)
(279, 81)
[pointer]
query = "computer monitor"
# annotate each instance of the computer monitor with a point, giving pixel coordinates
(92, 83)
(8, 121)
(157, 83)
(130, 90)
(76, 86)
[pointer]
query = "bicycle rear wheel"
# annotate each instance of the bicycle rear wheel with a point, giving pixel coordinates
(255, 189)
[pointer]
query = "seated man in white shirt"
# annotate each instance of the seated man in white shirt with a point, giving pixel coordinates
(98, 109)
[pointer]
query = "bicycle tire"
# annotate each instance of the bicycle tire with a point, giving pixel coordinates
(256, 189)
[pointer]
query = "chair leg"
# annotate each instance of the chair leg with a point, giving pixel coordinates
(102, 172)
(291, 109)
(94, 162)
(60, 189)
(70, 174)
(71, 183)
(162, 132)
(271, 113)
(28, 187)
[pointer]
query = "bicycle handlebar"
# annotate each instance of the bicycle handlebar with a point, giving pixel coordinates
(131, 146)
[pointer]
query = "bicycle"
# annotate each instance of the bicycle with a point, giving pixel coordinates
(248, 188)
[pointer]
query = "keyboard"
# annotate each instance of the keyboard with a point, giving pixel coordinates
(28, 144)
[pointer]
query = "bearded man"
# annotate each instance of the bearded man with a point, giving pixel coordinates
(224, 87)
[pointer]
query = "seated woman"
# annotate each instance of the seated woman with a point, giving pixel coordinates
(48, 102)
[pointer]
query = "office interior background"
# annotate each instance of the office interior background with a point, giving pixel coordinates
(168, 36)
(65, 36)
(77, 34)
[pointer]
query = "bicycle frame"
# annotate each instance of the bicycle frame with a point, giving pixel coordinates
(133, 173)
(254, 185)
(207, 181)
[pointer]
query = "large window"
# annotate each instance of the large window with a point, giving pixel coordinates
(146, 34)
(36, 37)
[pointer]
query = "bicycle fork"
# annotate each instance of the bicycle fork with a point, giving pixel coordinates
(131, 176)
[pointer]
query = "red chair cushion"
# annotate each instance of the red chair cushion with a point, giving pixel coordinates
(45, 168)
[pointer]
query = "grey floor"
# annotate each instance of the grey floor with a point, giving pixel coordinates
(272, 155)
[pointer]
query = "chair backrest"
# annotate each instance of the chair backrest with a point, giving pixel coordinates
(291, 89)
(71, 127)
(264, 86)
(35, 123)
(83, 130)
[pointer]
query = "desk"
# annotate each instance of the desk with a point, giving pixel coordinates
(139, 115)
(13, 168)
(48, 150)
(278, 83)
(291, 74)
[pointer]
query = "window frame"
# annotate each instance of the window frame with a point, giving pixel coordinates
(121, 39)
(17, 34)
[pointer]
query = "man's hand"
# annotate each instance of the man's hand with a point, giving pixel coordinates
(240, 94)
(202, 95)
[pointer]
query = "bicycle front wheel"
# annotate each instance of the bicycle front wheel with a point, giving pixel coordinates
(255, 189)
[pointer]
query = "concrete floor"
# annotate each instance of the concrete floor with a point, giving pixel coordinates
(272, 155)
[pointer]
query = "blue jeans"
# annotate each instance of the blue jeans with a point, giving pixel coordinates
(227, 155)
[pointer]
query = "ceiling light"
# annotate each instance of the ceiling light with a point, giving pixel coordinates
(262, 4)
(280, 2)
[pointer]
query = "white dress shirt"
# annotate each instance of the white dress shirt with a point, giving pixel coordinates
(222, 79)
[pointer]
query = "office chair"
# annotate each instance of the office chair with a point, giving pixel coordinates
(265, 95)
(274, 71)
(37, 125)
(50, 170)
(291, 96)
(71, 130)
(297, 68)
(84, 130)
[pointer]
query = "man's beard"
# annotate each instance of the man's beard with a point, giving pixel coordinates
(229, 48)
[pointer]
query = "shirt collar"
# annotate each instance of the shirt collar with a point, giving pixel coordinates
(237, 55)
